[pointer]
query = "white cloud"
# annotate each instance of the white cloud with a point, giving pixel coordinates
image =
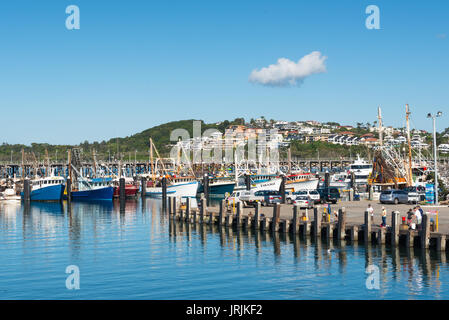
(286, 72)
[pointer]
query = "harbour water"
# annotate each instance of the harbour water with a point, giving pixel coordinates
(136, 252)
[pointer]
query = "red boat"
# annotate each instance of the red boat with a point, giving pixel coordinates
(130, 190)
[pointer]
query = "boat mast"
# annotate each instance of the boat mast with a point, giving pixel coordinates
(48, 163)
(151, 159)
(379, 117)
(70, 164)
(178, 157)
(23, 165)
(94, 157)
(409, 171)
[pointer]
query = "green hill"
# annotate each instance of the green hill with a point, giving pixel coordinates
(126, 146)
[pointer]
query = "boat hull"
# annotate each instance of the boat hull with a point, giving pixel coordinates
(219, 190)
(50, 193)
(183, 190)
(100, 194)
(273, 184)
(311, 184)
(130, 191)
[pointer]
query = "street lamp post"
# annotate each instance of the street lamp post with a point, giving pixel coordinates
(435, 151)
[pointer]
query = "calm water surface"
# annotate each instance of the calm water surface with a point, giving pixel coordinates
(135, 252)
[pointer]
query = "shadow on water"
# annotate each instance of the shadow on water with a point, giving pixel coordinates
(419, 267)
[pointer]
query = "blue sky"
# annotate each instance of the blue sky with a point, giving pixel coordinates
(136, 64)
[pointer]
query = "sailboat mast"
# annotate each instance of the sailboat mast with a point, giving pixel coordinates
(409, 171)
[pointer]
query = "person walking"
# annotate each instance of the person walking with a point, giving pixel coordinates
(384, 217)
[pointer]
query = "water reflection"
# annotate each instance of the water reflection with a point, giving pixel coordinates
(139, 237)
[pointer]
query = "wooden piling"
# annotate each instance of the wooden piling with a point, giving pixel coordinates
(285, 225)
(164, 194)
(395, 228)
(26, 190)
(441, 242)
(276, 217)
(170, 204)
(341, 226)
(238, 215)
(122, 194)
(229, 220)
(264, 225)
(203, 209)
(174, 205)
(425, 232)
(367, 228)
(210, 219)
(306, 228)
(354, 234)
(381, 236)
(222, 213)
(295, 220)
(69, 189)
(256, 223)
(316, 223)
(410, 239)
(143, 186)
(329, 231)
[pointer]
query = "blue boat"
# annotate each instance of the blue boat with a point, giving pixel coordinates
(98, 189)
(219, 187)
(47, 189)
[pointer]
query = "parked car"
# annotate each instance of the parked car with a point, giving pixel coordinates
(265, 197)
(394, 196)
(303, 202)
(313, 194)
(329, 195)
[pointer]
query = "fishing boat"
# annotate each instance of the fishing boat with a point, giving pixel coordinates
(260, 182)
(47, 189)
(182, 187)
(96, 189)
(360, 169)
(219, 187)
(130, 188)
(179, 185)
(303, 181)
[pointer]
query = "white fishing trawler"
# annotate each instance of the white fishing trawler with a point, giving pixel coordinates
(361, 170)
(302, 181)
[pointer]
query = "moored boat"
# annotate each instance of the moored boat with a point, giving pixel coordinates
(183, 187)
(303, 181)
(47, 189)
(219, 187)
(97, 189)
(130, 188)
